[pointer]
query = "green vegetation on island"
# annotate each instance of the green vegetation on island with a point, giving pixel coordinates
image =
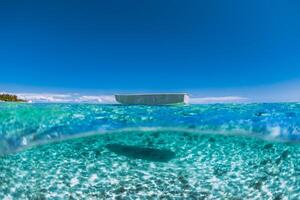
(10, 98)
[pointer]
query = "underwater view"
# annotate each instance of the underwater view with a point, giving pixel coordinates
(149, 100)
(94, 151)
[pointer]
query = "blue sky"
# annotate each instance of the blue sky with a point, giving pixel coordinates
(196, 46)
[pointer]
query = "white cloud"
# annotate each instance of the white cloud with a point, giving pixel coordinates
(66, 98)
(97, 99)
(225, 99)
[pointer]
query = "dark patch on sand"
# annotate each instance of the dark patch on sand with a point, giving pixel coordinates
(144, 153)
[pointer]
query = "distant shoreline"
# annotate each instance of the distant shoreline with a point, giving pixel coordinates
(10, 98)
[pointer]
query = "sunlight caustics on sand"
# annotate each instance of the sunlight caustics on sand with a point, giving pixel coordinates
(80, 151)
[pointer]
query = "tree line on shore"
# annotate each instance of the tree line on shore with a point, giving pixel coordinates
(10, 98)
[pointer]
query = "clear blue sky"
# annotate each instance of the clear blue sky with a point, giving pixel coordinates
(149, 45)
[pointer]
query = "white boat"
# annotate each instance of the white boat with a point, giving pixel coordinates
(152, 99)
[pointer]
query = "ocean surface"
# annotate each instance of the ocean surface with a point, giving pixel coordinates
(94, 151)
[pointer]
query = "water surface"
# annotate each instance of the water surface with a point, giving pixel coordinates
(84, 151)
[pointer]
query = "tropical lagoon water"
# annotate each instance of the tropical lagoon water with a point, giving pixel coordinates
(92, 151)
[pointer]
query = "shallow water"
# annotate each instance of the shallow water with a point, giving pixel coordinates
(79, 151)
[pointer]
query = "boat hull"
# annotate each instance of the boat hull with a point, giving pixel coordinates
(152, 99)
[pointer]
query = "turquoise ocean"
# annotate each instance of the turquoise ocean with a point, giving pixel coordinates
(95, 151)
